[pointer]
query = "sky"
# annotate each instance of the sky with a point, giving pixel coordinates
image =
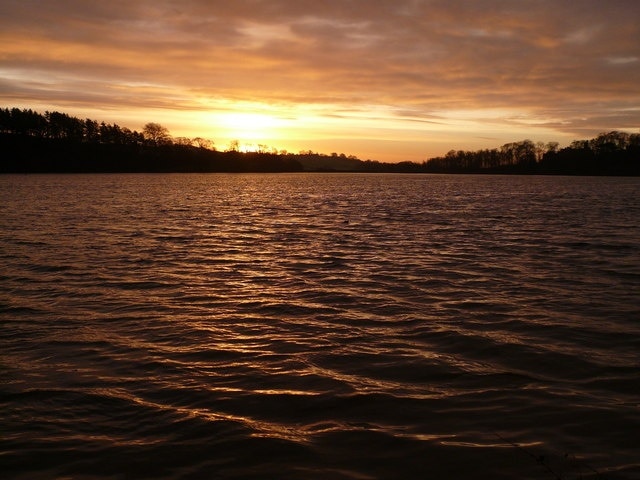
(389, 80)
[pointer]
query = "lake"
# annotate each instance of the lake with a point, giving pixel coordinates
(319, 326)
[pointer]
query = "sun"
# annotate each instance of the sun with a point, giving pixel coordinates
(250, 126)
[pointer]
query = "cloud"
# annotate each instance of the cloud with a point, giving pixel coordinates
(568, 66)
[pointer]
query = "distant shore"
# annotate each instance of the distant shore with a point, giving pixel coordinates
(58, 143)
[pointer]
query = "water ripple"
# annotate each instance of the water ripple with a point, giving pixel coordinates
(319, 326)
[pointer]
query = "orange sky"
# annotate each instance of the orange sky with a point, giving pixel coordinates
(389, 80)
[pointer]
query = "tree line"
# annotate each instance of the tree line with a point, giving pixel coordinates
(61, 126)
(612, 153)
(58, 142)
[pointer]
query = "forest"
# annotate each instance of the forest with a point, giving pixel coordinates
(56, 142)
(612, 153)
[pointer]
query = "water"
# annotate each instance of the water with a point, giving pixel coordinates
(315, 326)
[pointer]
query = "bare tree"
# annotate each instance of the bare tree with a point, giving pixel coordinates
(234, 146)
(156, 134)
(203, 143)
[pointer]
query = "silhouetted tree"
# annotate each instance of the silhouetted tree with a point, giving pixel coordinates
(57, 142)
(156, 134)
(613, 153)
(203, 143)
(91, 131)
(184, 141)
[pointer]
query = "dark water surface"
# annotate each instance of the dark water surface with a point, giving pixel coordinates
(319, 326)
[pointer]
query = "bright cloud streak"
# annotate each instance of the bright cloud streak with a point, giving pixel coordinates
(389, 80)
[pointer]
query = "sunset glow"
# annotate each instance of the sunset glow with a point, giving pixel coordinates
(387, 80)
